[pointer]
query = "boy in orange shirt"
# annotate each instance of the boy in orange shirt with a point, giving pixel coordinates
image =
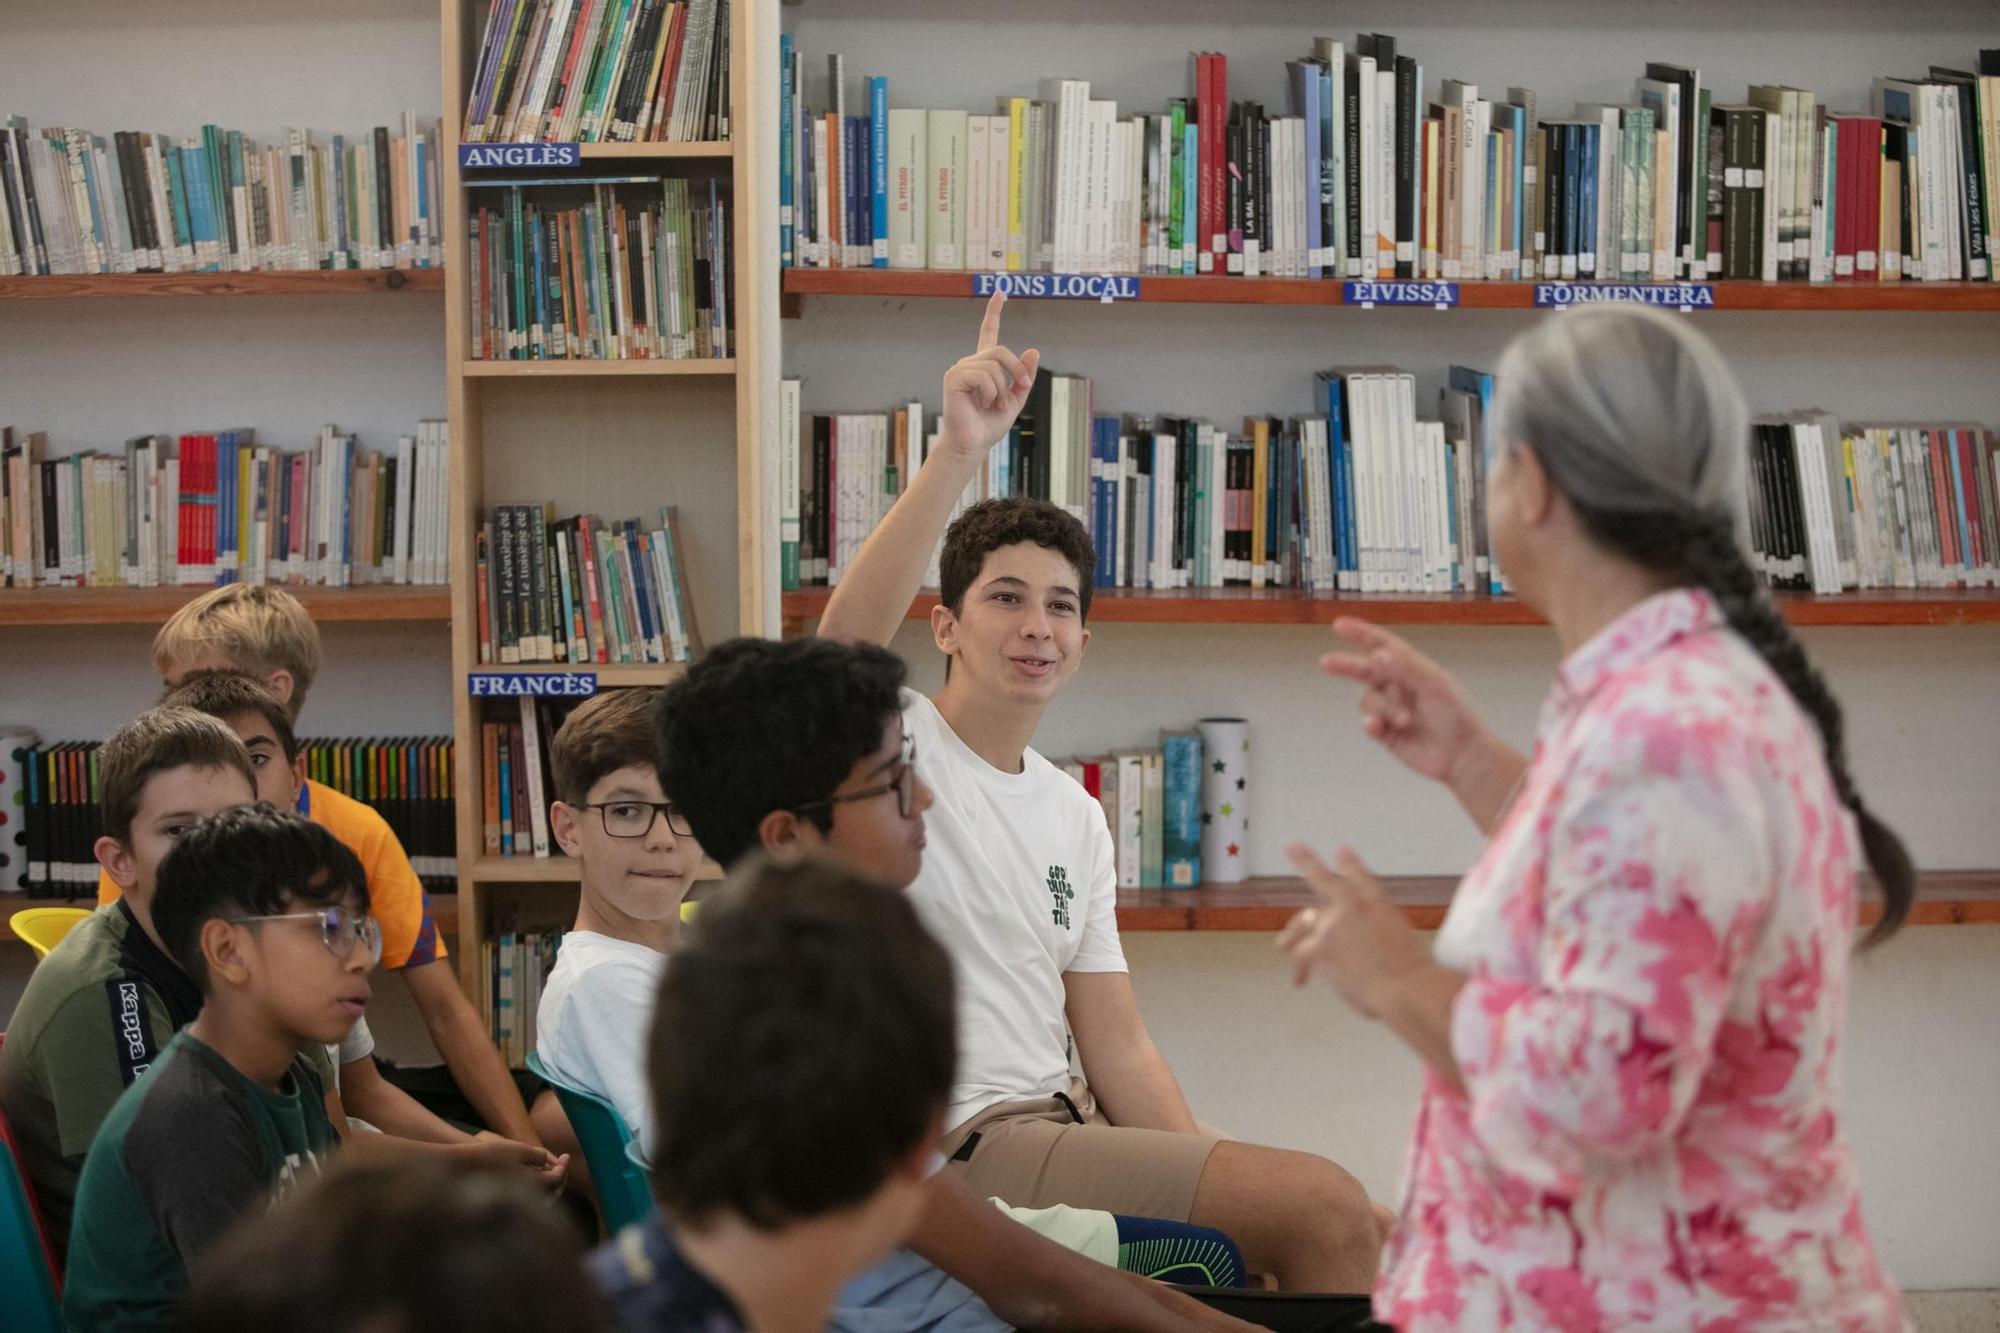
(264, 632)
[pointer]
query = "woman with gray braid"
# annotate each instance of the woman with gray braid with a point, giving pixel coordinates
(1632, 1017)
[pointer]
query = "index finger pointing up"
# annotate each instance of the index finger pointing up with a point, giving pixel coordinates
(989, 327)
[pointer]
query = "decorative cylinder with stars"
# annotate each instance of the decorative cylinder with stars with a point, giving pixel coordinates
(1225, 800)
(15, 742)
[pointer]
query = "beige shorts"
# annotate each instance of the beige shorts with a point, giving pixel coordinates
(1055, 1150)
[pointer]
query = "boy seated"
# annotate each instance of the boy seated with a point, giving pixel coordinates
(264, 631)
(409, 1246)
(101, 1007)
(797, 749)
(636, 858)
(804, 989)
(268, 913)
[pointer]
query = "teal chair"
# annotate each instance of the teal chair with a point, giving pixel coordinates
(28, 1282)
(623, 1192)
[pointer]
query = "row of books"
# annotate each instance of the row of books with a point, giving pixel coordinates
(406, 779)
(516, 964)
(1152, 806)
(75, 201)
(597, 71)
(221, 507)
(581, 590)
(517, 781)
(639, 271)
(1363, 177)
(1364, 497)
(1836, 507)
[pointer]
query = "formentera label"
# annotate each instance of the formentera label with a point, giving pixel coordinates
(1400, 293)
(539, 684)
(519, 155)
(1058, 286)
(1679, 295)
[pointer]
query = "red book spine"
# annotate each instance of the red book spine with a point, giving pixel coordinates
(1968, 475)
(1093, 779)
(1213, 166)
(1203, 212)
(1846, 173)
(1868, 194)
(587, 535)
(1947, 512)
(210, 487)
(664, 104)
(566, 86)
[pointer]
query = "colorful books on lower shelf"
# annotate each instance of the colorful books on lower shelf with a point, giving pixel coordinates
(46, 852)
(516, 749)
(73, 201)
(222, 507)
(638, 269)
(516, 964)
(580, 590)
(1152, 807)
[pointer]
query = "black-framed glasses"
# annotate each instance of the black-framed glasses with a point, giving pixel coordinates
(340, 930)
(635, 819)
(903, 782)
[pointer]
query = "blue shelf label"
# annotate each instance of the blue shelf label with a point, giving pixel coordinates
(1677, 295)
(519, 154)
(1440, 294)
(538, 684)
(1058, 286)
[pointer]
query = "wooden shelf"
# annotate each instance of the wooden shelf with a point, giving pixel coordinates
(1737, 295)
(546, 870)
(152, 606)
(645, 151)
(716, 366)
(609, 674)
(1281, 606)
(316, 282)
(1944, 898)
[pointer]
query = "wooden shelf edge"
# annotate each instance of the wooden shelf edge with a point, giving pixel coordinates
(1211, 290)
(658, 149)
(151, 606)
(313, 282)
(608, 673)
(547, 870)
(705, 366)
(1245, 606)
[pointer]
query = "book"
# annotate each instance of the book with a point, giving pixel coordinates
(579, 590)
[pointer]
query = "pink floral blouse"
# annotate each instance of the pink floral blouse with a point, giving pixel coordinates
(1657, 941)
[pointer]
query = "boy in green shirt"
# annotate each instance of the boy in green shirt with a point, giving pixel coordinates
(268, 913)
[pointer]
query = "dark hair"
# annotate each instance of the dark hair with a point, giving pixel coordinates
(227, 694)
(802, 1044)
(153, 742)
(613, 730)
(248, 860)
(992, 525)
(1639, 423)
(416, 1245)
(759, 725)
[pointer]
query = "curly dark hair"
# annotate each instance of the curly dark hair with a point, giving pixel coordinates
(759, 725)
(803, 1043)
(993, 524)
(248, 860)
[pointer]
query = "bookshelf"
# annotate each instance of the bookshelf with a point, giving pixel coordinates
(151, 606)
(119, 286)
(610, 437)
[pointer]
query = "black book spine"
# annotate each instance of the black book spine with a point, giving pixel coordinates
(638, 64)
(1759, 195)
(1039, 448)
(823, 470)
(1323, 177)
(1551, 188)
(385, 195)
(1256, 178)
(1184, 490)
(1976, 202)
(124, 143)
(31, 207)
(1352, 133)
(1232, 180)
(1409, 148)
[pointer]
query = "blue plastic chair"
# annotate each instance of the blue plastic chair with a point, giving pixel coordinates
(623, 1192)
(28, 1281)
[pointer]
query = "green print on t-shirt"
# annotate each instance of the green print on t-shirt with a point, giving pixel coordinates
(1060, 894)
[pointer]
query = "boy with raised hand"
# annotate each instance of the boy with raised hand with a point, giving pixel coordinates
(636, 857)
(246, 707)
(804, 988)
(101, 1007)
(268, 913)
(264, 631)
(1020, 880)
(797, 750)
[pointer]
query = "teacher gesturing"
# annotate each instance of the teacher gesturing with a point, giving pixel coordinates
(1633, 1013)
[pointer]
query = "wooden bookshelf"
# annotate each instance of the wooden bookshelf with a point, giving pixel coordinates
(543, 369)
(319, 282)
(645, 152)
(549, 870)
(1927, 297)
(152, 606)
(609, 675)
(1283, 606)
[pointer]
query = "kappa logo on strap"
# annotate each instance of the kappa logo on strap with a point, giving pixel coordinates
(134, 1040)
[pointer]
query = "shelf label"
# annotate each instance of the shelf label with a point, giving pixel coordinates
(1058, 286)
(539, 684)
(1368, 295)
(1679, 295)
(519, 154)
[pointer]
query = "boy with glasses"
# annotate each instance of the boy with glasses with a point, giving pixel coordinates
(267, 912)
(636, 858)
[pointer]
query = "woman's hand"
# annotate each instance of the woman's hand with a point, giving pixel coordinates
(1356, 936)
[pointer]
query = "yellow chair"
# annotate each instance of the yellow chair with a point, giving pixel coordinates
(44, 927)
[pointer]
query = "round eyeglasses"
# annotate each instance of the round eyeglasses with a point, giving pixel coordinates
(340, 930)
(635, 819)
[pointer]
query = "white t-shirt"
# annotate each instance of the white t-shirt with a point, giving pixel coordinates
(596, 1011)
(1020, 884)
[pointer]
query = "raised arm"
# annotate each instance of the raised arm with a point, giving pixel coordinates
(983, 394)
